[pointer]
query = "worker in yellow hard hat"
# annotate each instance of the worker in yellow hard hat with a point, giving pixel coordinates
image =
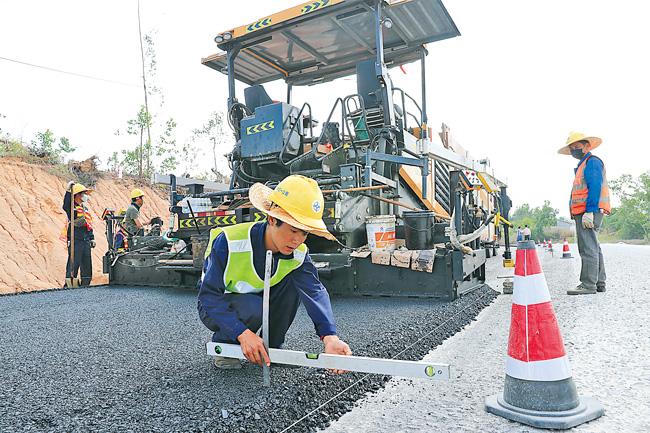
(132, 223)
(231, 287)
(79, 253)
(588, 204)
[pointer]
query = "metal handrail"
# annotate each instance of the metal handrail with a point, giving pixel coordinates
(406, 95)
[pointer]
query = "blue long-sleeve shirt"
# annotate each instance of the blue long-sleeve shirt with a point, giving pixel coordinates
(214, 308)
(594, 179)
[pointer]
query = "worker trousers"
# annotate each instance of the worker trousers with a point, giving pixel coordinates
(283, 305)
(82, 261)
(592, 273)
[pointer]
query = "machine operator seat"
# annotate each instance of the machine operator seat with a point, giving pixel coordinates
(256, 96)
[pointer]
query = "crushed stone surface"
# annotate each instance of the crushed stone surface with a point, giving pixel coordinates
(607, 340)
(133, 359)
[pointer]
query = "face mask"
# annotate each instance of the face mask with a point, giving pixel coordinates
(577, 153)
(85, 198)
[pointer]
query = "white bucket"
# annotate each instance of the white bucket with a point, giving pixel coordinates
(381, 232)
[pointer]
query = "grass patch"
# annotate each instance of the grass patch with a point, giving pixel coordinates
(10, 148)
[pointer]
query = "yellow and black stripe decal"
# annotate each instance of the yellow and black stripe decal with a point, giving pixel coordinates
(211, 221)
(311, 7)
(260, 127)
(258, 216)
(285, 15)
(258, 25)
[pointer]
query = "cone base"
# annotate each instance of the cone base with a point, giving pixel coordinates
(588, 409)
(567, 256)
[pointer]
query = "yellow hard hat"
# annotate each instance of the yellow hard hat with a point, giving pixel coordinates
(594, 142)
(137, 193)
(79, 188)
(298, 201)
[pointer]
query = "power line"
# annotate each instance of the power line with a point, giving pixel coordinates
(70, 73)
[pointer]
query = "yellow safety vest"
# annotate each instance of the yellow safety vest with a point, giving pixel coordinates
(240, 275)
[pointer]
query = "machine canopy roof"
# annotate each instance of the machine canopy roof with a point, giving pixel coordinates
(323, 40)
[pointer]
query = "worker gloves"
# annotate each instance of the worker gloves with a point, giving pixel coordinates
(588, 220)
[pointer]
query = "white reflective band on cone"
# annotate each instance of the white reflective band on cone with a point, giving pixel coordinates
(530, 290)
(543, 371)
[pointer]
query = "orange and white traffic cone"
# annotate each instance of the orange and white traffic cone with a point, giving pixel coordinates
(566, 252)
(539, 390)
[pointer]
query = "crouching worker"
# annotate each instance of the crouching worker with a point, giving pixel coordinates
(231, 288)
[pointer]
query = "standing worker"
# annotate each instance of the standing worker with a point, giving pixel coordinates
(520, 234)
(132, 223)
(79, 250)
(589, 202)
(231, 287)
(526, 232)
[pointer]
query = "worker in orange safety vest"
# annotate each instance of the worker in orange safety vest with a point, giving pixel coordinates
(589, 202)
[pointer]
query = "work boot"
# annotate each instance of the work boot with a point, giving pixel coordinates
(581, 290)
(227, 363)
(600, 287)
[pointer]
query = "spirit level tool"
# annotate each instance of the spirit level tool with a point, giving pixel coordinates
(391, 367)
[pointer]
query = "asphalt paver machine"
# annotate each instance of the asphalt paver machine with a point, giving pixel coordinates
(373, 155)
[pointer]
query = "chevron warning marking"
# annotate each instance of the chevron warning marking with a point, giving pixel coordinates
(260, 127)
(314, 6)
(265, 22)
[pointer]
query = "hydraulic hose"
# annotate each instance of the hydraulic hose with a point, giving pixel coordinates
(458, 242)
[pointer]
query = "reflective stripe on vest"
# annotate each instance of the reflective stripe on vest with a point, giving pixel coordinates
(81, 211)
(580, 192)
(240, 275)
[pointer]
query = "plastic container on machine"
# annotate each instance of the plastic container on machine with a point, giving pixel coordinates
(198, 205)
(381, 232)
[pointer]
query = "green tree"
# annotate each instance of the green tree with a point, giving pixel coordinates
(137, 127)
(213, 133)
(544, 216)
(144, 157)
(65, 147)
(521, 212)
(537, 219)
(44, 146)
(630, 220)
(166, 151)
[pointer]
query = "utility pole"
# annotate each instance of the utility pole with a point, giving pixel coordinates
(146, 103)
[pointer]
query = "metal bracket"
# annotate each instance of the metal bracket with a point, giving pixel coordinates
(422, 162)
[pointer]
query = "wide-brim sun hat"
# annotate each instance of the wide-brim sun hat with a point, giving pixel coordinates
(260, 197)
(594, 142)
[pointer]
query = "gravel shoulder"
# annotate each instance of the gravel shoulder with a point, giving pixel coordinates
(607, 339)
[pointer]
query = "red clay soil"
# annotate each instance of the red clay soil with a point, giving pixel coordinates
(32, 257)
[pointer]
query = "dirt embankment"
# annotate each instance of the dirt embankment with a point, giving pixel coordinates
(32, 257)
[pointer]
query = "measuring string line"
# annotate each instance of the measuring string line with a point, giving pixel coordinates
(366, 376)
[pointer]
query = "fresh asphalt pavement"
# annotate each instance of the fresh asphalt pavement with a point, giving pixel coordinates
(110, 359)
(607, 340)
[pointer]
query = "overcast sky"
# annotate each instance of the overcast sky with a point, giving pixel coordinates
(519, 78)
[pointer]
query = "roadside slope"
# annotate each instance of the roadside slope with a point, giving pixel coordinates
(32, 257)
